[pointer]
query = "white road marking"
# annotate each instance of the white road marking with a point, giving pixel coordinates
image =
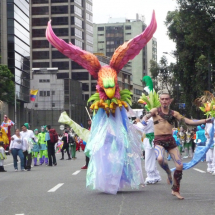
(9, 165)
(56, 187)
(76, 172)
(199, 170)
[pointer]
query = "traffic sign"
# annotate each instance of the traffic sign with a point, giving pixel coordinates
(62, 127)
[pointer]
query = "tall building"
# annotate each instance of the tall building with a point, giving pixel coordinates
(55, 96)
(71, 21)
(108, 36)
(15, 49)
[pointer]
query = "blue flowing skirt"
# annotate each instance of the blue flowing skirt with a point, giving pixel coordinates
(114, 148)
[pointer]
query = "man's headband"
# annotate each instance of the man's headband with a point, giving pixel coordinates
(164, 91)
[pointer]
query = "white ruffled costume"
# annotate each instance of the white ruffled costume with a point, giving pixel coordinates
(210, 155)
(153, 175)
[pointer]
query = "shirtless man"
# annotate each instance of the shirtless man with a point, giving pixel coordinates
(164, 119)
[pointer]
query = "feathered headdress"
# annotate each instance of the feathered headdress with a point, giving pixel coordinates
(152, 100)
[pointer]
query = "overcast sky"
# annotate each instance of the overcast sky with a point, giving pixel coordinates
(103, 9)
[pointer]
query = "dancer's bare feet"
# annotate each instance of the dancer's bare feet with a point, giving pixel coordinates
(177, 194)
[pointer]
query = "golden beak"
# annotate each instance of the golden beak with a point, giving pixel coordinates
(110, 92)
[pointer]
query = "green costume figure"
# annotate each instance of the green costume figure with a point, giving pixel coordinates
(35, 149)
(182, 138)
(188, 145)
(43, 146)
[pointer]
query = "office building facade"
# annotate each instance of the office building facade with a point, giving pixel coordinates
(15, 49)
(108, 36)
(72, 22)
(55, 95)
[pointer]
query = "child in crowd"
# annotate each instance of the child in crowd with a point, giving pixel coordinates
(2, 157)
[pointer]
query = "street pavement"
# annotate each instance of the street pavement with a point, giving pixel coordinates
(27, 193)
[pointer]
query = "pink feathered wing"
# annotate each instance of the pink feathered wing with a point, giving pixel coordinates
(83, 58)
(130, 49)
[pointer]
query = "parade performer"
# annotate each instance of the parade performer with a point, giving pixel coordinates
(6, 125)
(4, 137)
(210, 153)
(182, 139)
(152, 101)
(43, 146)
(200, 135)
(35, 149)
(65, 145)
(164, 119)
(188, 145)
(113, 146)
(201, 138)
(2, 157)
(153, 175)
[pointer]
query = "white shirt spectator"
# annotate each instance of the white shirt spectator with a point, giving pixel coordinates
(26, 135)
(17, 143)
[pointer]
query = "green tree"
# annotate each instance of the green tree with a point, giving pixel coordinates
(192, 27)
(163, 77)
(6, 85)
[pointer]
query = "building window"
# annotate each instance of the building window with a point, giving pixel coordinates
(40, 1)
(76, 66)
(77, 2)
(128, 27)
(40, 21)
(44, 80)
(61, 65)
(78, 33)
(53, 93)
(58, 55)
(63, 75)
(100, 41)
(44, 93)
(61, 31)
(41, 65)
(89, 48)
(89, 28)
(78, 22)
(80, 76)
(127, 33)
(36, 105)
(40, 44)
(41, 55)
(41, 93)
(78, 43)
(100, 28)
(40, 10)
(59, 9)
(53, 104)
(89, 7)
(38, 32)
(76, 10)
(85, 87)
(89, 38)
(59, 21)
(58, 1)
(89, 17)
